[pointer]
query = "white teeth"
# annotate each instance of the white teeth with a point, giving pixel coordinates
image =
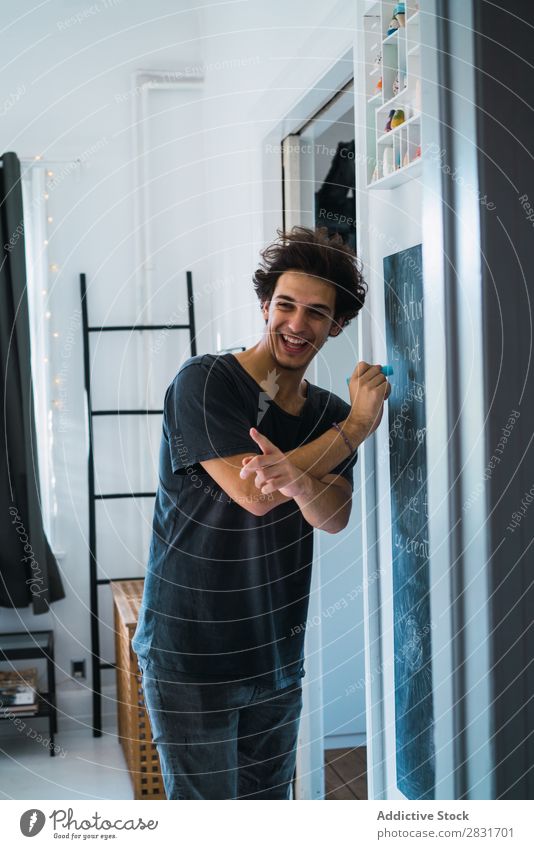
(294, 340)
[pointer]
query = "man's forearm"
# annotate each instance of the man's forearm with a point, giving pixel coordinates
(324, 505)
(319, 457)
(323, 454)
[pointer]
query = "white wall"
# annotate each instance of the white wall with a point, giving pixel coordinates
(75, 78)
(279, 51)
(257, 61)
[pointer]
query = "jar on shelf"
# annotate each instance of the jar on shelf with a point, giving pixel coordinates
(399, 12)
(397, 119)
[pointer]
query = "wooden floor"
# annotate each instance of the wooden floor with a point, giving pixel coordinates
(346, 773)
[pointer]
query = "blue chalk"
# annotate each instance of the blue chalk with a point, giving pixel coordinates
(386, 370)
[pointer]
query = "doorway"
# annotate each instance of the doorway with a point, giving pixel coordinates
(319, 190)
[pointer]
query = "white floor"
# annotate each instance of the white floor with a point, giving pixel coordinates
(85, 767)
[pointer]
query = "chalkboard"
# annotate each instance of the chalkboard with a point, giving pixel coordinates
(409, 520)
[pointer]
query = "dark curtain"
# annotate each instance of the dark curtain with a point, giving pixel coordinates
(29, 573)
(505, 148)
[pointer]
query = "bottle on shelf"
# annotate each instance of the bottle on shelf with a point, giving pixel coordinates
(417, 96)
(387, 128)
(392, 26)
(387, 161)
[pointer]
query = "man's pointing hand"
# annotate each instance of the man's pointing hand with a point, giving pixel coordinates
(273, 470)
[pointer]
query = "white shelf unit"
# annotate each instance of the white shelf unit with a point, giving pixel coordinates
(393, 81)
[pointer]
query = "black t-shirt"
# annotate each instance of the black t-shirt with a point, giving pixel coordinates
(226, 592)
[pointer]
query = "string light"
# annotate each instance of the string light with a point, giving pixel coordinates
(56, 405)
(54, 268)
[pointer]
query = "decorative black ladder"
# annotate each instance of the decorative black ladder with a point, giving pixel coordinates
(97, 663)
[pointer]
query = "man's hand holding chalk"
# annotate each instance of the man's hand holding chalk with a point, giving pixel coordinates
(368, 389)
(386, 370)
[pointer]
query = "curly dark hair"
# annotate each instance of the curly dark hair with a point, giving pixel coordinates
(316, 253)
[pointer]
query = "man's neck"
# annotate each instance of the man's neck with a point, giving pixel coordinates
(262, 366)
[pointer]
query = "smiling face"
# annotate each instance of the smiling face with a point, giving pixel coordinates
(300, 318)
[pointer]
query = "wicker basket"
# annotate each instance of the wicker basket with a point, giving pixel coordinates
(134, 727)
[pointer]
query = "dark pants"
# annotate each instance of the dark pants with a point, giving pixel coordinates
(222, 741)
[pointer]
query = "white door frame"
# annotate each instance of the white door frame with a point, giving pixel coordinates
(455, 438)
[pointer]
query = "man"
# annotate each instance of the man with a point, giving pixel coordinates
(253, 458)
